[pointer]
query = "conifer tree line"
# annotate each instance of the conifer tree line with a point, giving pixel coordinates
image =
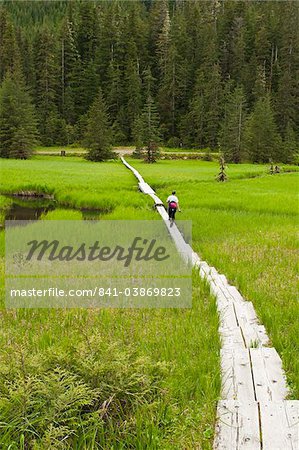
(216, 74)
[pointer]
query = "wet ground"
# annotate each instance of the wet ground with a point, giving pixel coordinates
(27, 208)
(31, 208)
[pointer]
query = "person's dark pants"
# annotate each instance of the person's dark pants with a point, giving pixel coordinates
(171, 213)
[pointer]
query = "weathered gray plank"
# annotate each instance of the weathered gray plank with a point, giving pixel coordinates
(235, 294)
(203, 273)
(279, 422)
(163, 213)
(245, 313)
(237, 381)
(292, 412)
(214, 272)
(226, 292)
(222, 305)
(254, 335)
(269, 378)
(158, 202)
(231, 338)
(204, 265)
(145, 188)
(223, 279)
(237, 426)
(196, 259)
(214, 288)
(135, 172)
(228, 317)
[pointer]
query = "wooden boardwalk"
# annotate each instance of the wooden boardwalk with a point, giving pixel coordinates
(253, 413)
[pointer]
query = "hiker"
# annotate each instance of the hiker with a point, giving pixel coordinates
(173, 205)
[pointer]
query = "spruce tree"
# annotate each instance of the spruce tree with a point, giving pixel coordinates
(232, 127)
(138, 137)
(286, 104)
(192, 125)
(69, 57)
(17, 119)
(201, 124)
(222, 177)
(47, 81)
(9, 50)
(151, 131)
(168, 94)
(87, 31)
(150, 121)
(98, 136)
(213, 105)
(132, 88)
(262, 141)
(290, 146)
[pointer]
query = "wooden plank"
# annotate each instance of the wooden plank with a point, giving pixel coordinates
(217, 279)
(245, 313)
(237, 381)
(235, 294)
(232, 293)
(214, 274)
(135, 172)
(226, 292)
(222, 305)
(203, 273)
(223, 279)
(204, 265)
(292, 413)
(196, 259)
(157, 201)
(237, 426)
(231, 338)
(145, 188)
(219, 293)
(255, 335)
(204, 269)
(220, 280)
(214, 288)
(227, 317)
(163, 213)
(269, 378)
(279, 422)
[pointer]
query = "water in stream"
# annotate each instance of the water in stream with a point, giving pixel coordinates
(31, 208)
(25, 208)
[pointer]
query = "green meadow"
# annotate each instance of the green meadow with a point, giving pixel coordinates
(104, 378)
(247, 229)
(146, 378)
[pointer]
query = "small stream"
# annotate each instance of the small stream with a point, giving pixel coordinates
(27, 208)
(32, 208)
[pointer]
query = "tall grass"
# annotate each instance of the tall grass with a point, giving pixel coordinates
(99, 379)
(74, 182)
(247, 229)
(110, 379)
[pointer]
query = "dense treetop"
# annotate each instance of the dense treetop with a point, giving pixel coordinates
(218, 69)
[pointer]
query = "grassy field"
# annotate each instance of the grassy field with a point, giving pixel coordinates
(247, 229)
(146, 379)
(103, 379)
(77, 183)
